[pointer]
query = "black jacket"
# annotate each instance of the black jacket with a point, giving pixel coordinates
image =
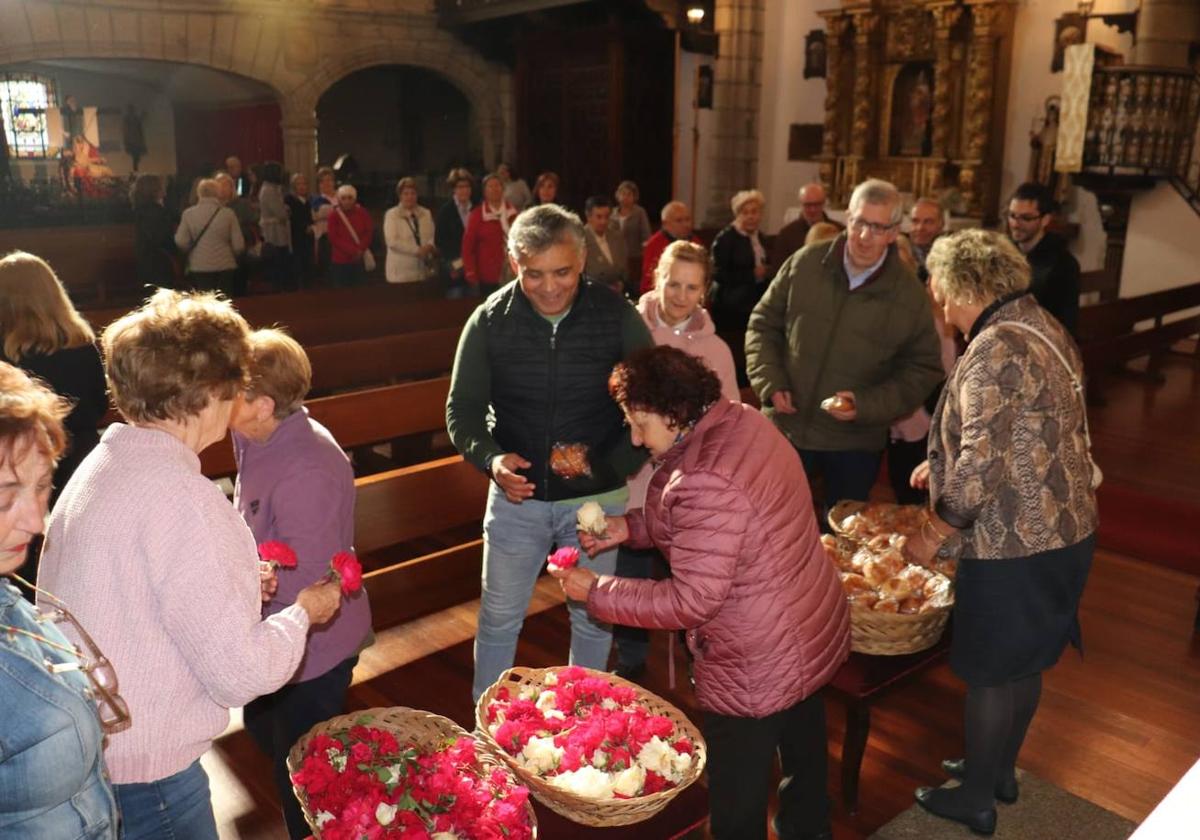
(154, 243)
(448, 232)
(736, 289)
(1055, 282)
(523, 385)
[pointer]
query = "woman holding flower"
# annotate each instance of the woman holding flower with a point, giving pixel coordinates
(765, 616)
(295, 488)
(161, 569)
(52, 777)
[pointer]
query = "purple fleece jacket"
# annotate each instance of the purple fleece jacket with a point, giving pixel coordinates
(298, 488)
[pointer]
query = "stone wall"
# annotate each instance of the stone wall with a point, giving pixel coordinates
(297, 47)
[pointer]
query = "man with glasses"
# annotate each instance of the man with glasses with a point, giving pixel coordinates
(842, 343)
(790, 238)
(1055, 282)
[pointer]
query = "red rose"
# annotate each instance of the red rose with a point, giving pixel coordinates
(565, 558)
(348, 570)
(278, 554)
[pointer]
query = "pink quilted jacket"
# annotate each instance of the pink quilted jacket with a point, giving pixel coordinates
(765, 616)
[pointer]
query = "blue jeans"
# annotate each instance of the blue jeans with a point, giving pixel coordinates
(516, 541)
(178, 807)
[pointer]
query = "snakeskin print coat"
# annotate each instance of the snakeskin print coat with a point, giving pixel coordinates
(1008, 454)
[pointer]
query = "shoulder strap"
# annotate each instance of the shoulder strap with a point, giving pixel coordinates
(1076, 384)
(204, 229)
(349, 227)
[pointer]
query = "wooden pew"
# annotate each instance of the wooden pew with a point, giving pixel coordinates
(360, 418)
(409, 504)
(331, 315)
(371, 361)
(1108, 336)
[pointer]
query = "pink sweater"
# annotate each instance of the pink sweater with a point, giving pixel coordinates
(158, 566)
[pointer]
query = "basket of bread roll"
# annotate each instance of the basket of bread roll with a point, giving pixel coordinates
(897, 606)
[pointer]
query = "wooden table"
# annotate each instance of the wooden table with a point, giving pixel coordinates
(858, 684)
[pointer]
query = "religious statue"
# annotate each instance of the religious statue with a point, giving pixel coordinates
(89, 173)
(1043, 142)
(133, 135)
(912, 106)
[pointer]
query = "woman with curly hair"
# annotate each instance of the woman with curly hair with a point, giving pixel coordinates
(762, 607)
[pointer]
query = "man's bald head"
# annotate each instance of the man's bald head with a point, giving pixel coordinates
(812, 203)
(677, 220)
(928, 220)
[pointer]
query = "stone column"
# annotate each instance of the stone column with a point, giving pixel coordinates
(299, 128)
(1164, 29)
(836, 25)
(736, 94)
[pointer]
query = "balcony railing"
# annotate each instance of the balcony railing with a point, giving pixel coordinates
(1145, 121)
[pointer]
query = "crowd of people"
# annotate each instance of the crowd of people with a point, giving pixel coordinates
(947, 353)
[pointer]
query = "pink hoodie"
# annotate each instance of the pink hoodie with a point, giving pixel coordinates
(698, 337)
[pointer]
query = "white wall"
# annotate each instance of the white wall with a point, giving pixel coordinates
(1160, 247)
(787, 98)
(106, 91)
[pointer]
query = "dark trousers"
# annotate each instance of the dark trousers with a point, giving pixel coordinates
(277, 721)
(211, 281)
(342, 275)
(633, 643)
(741, 752)
(902, 458)
(847, 474)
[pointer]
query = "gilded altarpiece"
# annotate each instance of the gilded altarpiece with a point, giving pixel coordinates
(916, 93)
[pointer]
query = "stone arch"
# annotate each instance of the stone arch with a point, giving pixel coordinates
(298, 51)
(487, 87)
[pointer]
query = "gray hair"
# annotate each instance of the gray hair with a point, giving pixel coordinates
(672, 205)
(933, 202)
(347, 189)
(877, 191)
(542, 227)
(207, 188)
(745, 197)
(976, 266)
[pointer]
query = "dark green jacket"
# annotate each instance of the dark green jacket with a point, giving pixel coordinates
(521, 385)
(814, 337)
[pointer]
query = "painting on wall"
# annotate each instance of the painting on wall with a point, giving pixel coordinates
(1069, 30)
(814, 54)
(911, 126)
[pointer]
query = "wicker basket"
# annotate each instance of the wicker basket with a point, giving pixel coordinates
(592, 812)
(892, 634)
(410, 726)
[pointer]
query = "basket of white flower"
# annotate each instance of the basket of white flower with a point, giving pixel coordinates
(595, 748)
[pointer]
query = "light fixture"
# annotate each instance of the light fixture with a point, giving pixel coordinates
(695, 14)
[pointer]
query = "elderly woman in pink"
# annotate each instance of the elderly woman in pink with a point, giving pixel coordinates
(675, 315)
(161, 569)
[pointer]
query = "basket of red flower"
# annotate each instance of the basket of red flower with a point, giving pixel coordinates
(398, 772)
(590, 746)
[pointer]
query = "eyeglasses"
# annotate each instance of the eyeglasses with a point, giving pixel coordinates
(112, 709)
(871, 228)
(1024, 217)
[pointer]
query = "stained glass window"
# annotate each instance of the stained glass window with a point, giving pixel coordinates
(23, 104)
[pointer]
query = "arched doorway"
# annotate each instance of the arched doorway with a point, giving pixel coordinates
(398, 120)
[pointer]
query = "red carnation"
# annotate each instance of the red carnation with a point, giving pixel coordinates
(348, 571)
(278, 554)
(565, 558)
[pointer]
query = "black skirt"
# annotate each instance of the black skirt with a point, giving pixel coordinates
(1014, 617)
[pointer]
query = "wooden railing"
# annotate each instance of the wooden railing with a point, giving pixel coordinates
(1145, 121)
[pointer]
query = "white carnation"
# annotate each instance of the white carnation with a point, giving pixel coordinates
(587, 782)
(600, 759)
(444, 835)
(395, 774)
(680, 764)
(629, 782)
(553, 714)
(551, 679)
(385, 813)
(527, 692)
(609, 704)
(540, 755)
(323, 817)
(546, 700)
(656, 755)
(590, 519)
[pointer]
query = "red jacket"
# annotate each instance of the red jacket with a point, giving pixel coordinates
(484, 247)
(765, 615)
(342, 243)
(651, 253)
